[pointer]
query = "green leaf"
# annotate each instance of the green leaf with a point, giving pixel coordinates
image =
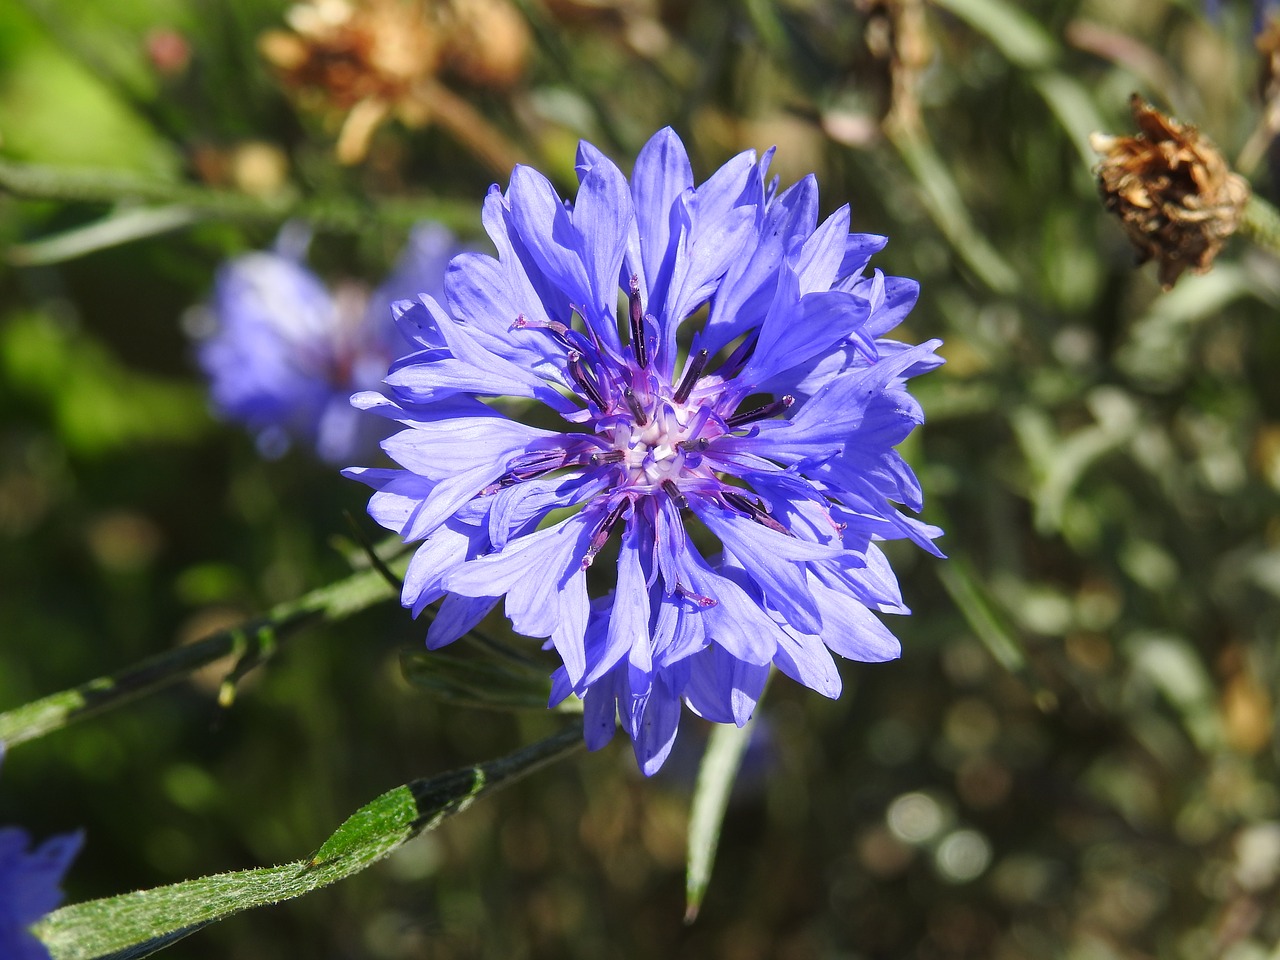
(138, 924)
(1014, 32)
(720, 764)
(981, 613)
(945, 203)
(1028, 45)
(122, 225)
(474, 682)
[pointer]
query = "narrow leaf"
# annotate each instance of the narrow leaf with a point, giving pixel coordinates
(118, 227)
(474, 682)
(981, 615)
(1014, 32)
(138, 924)
(946, 205)
(720, 764)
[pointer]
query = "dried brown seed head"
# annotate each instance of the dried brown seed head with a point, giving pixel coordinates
(345, 52)
(488, 42)
(1175, 195)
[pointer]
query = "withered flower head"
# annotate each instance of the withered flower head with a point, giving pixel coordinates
(1175, 195)
(362, 61)
(350, 52)
(356, 61)
(487, 43)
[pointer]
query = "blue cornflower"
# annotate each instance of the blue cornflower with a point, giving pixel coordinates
(288, 353)
(774, 429)
(29, 888)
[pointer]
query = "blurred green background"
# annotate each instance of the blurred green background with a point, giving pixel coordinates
(1075, 756)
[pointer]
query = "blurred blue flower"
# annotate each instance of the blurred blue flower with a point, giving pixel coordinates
(287, 353)
(1261, 10)
(29, 888)
(774, 429)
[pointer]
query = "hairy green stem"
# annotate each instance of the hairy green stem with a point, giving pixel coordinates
(251, 643)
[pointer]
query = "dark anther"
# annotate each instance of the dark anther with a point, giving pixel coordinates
(578, 370)
(694, 446)
(760, 413)
(527, 466)
(756, 511)
(637, 411)
(636, 309)
(692, 371)
(601, 535)
(609, 456)
(512, 477)
(671, 490)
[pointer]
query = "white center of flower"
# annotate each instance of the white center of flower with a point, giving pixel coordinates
(651, 452)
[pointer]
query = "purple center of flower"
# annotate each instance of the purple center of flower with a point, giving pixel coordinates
(651, 432)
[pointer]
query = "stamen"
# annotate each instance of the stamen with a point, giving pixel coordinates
(512, 477)
(609, 456)
(671, 490)
(692, 371)
(536, 460)
(527, 466)
(591, 332)
(524, 323)
(771, 409)
(578, 370)
(756, 511)
(638, 412)
(694, 446)
(697, 598)
(636, 309)
(601, 535)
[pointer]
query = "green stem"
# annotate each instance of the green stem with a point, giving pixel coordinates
(1261, 224)
(252, 643)
(338, 214)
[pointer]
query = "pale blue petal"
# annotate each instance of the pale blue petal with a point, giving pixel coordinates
(807, 661)
(456, 616)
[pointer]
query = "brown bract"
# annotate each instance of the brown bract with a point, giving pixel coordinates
(1175, 195)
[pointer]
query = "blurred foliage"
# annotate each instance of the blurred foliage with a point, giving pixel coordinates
(1074, 758)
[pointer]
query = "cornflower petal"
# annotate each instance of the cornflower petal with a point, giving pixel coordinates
(774, 433)
(662, 173)
(29, 880)
(456, 617)
(722, 688)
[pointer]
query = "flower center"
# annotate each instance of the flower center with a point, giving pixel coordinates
(652, 451)
(653, 430)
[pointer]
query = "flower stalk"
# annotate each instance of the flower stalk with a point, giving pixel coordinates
(251, 643)
(1260, 223)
